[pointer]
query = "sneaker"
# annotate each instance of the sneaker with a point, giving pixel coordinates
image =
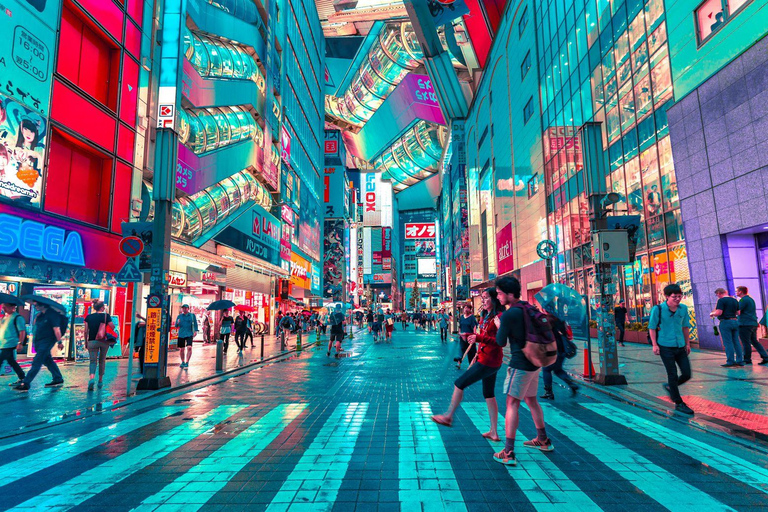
(763, 362)
(54, 384)
(506, 457)
(90, 385)
(574, 389)
(681, 407)
(100, 384)
(729, 365)
(14, 384)
(22, 387)
(666, 387)
(545, 445)
(548, 395)
(328, 354)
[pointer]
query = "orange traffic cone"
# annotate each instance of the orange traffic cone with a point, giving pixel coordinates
(589, 368)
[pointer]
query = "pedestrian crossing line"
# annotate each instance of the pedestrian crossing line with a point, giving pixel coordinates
(14, 445)
(315, 481)
(96, 480)
(38, 461)
(731, 465)
(542, 482)
(424, 469)
(197, 485)
(658, 483)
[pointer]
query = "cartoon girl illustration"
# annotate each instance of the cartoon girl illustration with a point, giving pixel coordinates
(28, 136)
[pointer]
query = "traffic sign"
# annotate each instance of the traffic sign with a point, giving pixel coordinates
(130, 273)
(154, 300)
(131, 246)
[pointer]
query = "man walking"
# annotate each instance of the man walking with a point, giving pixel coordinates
(187, 324)
(443, 320)
(13, 331)
(48, 333)
(748, 326)
(522, 376)
(337, 330)
(620, 315)
(241, 328)
(726, 310)
(669, 328)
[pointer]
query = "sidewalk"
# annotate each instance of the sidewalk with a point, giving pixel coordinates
(43, 405)
(724, 399)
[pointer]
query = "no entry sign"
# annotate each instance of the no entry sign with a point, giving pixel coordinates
(131, 246)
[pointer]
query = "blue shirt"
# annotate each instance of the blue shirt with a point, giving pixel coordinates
(10, 327)
(187, 324)
(747, 311)
(467, 324)
(670, 325)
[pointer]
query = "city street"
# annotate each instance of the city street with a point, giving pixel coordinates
(316, 433)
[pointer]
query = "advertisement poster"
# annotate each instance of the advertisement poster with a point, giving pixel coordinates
(309, 226)
(22, 152)
(333, 260)
(504, 250)
(424, 248)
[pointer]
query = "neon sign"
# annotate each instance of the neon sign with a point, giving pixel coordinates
(370, 192)
(37, 241)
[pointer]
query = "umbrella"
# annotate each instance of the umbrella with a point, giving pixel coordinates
(220, 305)
(243, 307)
(564, 302)
(45, 301)
(7, 298)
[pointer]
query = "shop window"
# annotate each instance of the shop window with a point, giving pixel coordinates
(661, 77)
(79, 180)
(88, 58)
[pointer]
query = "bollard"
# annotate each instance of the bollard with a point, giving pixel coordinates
(298, 341)
(219, 355)
(262, 346)
(282, 341)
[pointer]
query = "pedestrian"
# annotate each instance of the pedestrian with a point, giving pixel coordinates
(98, 343)
(49, 326)
(241, 326)
(378, 320)
(389, 326)
(467, 324)
(337, 330)
(13, 333)
(187, 325)
(748, 326)
(560, 330)
(206, 328)
(620, 317)
(443, 320)
(369, 321)
(139, 338)
(286, 326)
(522, 378)
(726, 311)
(225, 328)
(404, 320)
(278, 321)
(248, 329)
(489, 359)
(669, 328)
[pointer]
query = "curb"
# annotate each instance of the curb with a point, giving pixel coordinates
(660, 409)
(133, 399)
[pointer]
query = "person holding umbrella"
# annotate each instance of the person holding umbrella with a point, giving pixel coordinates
(13, 331)
(226, 322)
(48, 331)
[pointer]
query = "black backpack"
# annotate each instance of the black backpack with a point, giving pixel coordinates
(337, 319)
(650, 342)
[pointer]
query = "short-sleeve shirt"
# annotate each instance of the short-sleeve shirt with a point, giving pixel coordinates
(187, 324)
(512, 331)
(10, 328)
(670, 324)
(748, 311)
(467, 324)
(729, 306)
(44, 325)
(620, 314)
(93, 321)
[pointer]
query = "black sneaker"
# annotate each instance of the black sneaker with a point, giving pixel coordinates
(54, 384)
(22, 387)
(681, 407)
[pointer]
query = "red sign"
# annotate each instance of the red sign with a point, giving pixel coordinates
(386, 241)
(504, 250)
(416, 230)
(331, 147)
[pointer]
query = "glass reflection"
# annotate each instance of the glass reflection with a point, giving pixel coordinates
(213, 58)
(205, 129)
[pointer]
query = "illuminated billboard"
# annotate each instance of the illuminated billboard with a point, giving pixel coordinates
(426, 268)
(417, 230)
(23, 135)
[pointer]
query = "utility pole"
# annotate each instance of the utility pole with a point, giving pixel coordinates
(168, 100)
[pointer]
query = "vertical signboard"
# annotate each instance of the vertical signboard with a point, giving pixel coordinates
(152, 339)
(334, 260)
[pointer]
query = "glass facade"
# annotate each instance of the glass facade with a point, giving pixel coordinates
(213, 58)
(414, 156)
(205, 129)
(608, 62)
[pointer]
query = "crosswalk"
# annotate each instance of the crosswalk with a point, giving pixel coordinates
(430, 476)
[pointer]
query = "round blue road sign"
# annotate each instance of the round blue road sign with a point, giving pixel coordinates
(131, 246)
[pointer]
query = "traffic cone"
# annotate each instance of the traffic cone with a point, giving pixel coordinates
(589, 369)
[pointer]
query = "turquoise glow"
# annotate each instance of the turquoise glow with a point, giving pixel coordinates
(213, 58)
(206, 129)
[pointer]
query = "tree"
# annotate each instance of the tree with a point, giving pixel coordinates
(415, 302)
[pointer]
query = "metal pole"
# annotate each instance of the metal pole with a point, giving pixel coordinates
(131, 338)
(262, 346)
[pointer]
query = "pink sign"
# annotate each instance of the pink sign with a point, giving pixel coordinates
(285, 145)
(504, 249)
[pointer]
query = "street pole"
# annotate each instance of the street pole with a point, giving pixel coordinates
(132, 338)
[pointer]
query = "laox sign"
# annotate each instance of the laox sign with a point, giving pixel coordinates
(370, 192)
(40, 242)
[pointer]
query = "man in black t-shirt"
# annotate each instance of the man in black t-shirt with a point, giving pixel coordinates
(620, 316)
(336, 319)
(726, 311)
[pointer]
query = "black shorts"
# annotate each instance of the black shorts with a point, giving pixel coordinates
(184, 341)
(478, 372)
(337, 336)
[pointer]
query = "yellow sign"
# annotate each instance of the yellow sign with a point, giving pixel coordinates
(152, 339)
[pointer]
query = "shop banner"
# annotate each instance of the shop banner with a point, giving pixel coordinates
(417, 230)
(256, 233)
(386, 242)
(335, 192)
(23, 136)
(196, 275)
(301, 272)
(334, 259)
(504, 250)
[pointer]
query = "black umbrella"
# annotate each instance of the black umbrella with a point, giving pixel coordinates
(45, 301)
(7, 298)
(220, 305)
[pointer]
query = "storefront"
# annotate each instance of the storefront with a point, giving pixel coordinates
(68, 263)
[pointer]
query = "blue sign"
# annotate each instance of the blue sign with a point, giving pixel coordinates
(130, 273)
(38, 241)
(257, 233)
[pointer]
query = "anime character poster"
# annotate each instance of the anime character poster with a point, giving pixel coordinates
(333, 260)
(23, 135)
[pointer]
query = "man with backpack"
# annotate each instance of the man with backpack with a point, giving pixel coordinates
(669, 329)
(520, 326)
(50, 326)
(13, 332)
(336, 319)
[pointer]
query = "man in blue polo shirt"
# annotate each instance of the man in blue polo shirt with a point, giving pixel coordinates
(669, 328)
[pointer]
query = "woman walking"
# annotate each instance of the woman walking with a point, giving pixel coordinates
(561, 335)
(98, 344)
(485, 368)
(225, 328)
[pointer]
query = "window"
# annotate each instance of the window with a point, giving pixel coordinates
(523, 21)
(533, 185)
(528, 110)
(525, 66)
(711, 15)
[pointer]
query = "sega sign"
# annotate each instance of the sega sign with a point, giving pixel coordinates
(415, 230)
(38, 241)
